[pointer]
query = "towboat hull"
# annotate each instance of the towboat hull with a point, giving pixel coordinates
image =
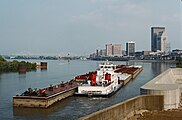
(91, 94)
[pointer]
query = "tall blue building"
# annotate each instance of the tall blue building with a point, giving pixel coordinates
(159, 39)
(130, 48)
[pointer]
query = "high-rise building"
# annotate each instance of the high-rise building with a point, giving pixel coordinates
(103, 52)
(159, 39)
(109, 50)
(130, 48)
(164, 42)
(116, 50)
(155, 36)
(113, 50)
(98, 53)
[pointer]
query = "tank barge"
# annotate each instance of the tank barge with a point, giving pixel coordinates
(45, 97)
(129, 72)
(129, 69)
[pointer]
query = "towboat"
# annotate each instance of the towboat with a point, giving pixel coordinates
(103, 82)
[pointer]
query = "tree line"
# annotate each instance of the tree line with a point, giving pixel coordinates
(12, 66)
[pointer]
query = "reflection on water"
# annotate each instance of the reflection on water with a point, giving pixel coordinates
(73, 107)
(40, 111)
(157, 67)
(43, 69)
(22, 76)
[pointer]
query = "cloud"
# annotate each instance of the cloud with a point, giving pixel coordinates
(171, 18)
(109, 16)
(95, 21)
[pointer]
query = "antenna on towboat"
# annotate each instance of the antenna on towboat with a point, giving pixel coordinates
(107, 61)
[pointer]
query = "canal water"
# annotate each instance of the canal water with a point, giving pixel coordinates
(73, 107)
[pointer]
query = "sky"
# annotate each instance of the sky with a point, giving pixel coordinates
(81, 26)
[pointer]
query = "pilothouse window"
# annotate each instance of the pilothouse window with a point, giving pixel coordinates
(107, 67)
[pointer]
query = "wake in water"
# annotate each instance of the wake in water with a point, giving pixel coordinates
(98, 98)
(62, 63)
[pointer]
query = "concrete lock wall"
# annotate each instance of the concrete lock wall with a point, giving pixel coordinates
(168, 84)
(128, 108)
(171, 97)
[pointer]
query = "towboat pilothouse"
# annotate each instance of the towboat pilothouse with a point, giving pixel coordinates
(104, 82)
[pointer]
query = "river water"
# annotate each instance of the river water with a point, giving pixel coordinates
(73, 107)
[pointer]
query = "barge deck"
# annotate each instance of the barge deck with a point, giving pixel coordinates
(45, 97)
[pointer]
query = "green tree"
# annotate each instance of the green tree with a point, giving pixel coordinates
(6, 66)
(2, 59)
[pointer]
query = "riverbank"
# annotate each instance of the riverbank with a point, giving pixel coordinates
(151, 61)
(15, 66)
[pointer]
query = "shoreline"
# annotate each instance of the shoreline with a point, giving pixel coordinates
(161, 61)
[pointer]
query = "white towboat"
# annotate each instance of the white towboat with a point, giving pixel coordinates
(104, 82)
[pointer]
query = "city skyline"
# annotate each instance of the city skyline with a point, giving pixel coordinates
(80, 27)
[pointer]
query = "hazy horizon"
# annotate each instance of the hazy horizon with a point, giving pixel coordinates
(82, 26)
